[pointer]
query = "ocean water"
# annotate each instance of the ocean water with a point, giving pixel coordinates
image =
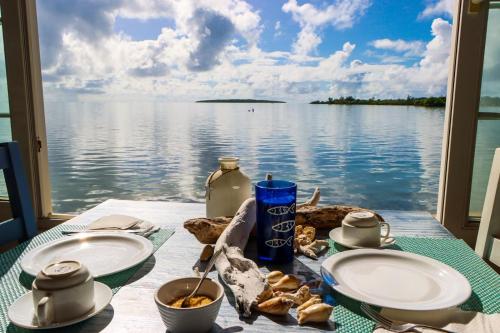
(379, 157)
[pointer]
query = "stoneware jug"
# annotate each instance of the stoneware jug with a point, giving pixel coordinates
(226, 188)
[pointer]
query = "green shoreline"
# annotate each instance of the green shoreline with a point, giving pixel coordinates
(412, 101)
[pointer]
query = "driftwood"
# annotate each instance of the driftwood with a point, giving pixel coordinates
(207, 231)
(240, 274)
(326, 217)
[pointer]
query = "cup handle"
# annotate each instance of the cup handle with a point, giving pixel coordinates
(45, 311)
(384, 237)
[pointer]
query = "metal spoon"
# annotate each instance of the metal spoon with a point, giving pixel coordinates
(185, 302)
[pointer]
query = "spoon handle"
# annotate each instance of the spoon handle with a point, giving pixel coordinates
(211, 263)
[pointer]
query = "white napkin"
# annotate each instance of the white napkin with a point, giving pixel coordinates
(454, 320)
(123, 222)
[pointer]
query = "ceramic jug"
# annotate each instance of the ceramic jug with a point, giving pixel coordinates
(226, 188)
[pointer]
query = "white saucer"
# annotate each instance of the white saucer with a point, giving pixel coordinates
(21, 312)
(336, 236)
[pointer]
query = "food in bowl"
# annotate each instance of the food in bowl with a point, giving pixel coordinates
(194, 302)
(192, 319)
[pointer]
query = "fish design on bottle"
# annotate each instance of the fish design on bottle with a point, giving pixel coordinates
(284, 226)
(281, 210)
(278, 242)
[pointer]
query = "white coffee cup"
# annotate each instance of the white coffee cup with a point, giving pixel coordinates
(363, 229)
(62, 291)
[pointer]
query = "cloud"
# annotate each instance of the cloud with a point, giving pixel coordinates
(91, 19)
(438, 7)
(213, 32)
(342, 14)
(410, 48)
(212, 51)
(277, 29)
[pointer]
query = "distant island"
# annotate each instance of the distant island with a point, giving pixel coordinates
(489, 101)
(237, 100)
(415, 101)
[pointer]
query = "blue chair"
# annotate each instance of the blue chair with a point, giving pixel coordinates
(22, 226)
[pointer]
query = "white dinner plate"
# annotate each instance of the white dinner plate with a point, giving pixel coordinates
(103, 253)
(336, 236)
(395, 279)
(22, 313)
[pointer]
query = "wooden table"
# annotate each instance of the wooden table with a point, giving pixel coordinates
(133, 308)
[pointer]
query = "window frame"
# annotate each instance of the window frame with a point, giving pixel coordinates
(25, 91)
(461, 118)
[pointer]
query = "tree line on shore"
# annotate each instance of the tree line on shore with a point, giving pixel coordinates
(415, 101)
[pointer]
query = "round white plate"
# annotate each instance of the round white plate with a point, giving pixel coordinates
(336, 236)
(395, 279)
(21, 313)
(103, 253)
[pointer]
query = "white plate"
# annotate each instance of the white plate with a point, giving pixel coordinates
(22, 314)
(336, 236)
(103, 253)
(395, 279)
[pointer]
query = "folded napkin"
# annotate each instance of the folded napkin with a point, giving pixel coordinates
(454, 320)
(123, 222)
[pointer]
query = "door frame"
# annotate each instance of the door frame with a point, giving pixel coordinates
(25, 91)
(461, 117)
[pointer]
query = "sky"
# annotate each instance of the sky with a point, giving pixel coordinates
(293, 50)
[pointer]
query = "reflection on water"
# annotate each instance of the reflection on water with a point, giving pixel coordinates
(381, 157)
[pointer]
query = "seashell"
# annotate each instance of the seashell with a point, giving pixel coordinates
(302, 295)
(274, 276)
(299, 297)
(276, 306)
(311, 301)
(287, 283)
(207, 253)
(311, 250)
(265, 295)
(316, 313)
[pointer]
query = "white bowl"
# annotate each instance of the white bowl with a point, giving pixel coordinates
(198, 319)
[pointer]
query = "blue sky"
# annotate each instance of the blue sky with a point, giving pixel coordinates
(289, 49)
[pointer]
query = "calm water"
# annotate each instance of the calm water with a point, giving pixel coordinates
(381, 157)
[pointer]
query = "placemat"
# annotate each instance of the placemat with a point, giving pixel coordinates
(14, 282)
(456, 253)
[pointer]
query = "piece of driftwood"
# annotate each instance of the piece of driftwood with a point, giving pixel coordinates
(326, 217)
(241, 275)
(207, 231)
(313, 201)
(308, 213)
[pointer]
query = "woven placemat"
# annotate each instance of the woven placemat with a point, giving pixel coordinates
(456, 253)
(15, 283)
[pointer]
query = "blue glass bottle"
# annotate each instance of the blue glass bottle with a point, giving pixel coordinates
(276, 200)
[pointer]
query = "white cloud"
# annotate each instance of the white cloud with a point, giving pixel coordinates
(410, 48)
(341, 14)
(173, 67)
(438, 7)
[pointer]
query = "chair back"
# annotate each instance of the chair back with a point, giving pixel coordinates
(488, 237)
(22, 226)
